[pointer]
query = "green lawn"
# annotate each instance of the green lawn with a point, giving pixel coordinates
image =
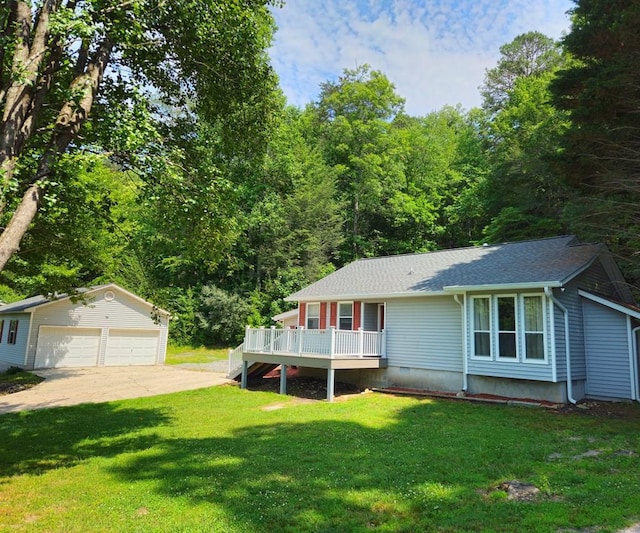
(229, 460)
(186, 354)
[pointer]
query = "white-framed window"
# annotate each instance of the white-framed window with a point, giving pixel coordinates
(481, 326)
(313, 316)
(533, 327)
(507, 317)
(345, 315)
(508, 327)
(13, 332)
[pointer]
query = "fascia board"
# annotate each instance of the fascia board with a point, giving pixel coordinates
(609, 304)
(360, 297)
(452, 289)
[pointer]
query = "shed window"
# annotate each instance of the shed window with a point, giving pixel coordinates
(13, 332)
(345, 315)
(313, 316)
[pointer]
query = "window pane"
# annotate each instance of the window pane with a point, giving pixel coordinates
(482, 344)
(533, 313)
(313, 310)
(481, 314)
(345, 323)
(535, 345)
(313, 323)
(506, 314)
(507, 345)
(345, 310)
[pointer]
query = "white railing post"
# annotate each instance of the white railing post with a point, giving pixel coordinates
(300, 335)
(272, 338)
(332, 342)
(360, 342)
(383, 343)
(247, 332)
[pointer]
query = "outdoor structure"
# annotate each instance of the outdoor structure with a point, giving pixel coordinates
(549, 319)
(106, 326)
(288, 319)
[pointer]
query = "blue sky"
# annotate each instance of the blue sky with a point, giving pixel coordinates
(434, 51)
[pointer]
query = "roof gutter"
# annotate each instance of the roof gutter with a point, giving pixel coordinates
(502, 286)
(567, 347)
(365, 297)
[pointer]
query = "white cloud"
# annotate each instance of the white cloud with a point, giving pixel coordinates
(434, 51)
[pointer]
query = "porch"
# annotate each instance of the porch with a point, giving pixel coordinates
(328, 349)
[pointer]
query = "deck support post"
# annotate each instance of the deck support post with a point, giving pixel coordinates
(245, 371)
(331, 377)
(283, 379)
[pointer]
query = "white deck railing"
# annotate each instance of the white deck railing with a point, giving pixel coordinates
(318, 342)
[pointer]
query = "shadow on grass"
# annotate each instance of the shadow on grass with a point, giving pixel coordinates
(427, 469)
(33, 442)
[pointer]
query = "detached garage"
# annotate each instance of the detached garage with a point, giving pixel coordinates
(109, 326)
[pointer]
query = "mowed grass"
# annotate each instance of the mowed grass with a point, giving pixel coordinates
(177, 355)
(231, 460)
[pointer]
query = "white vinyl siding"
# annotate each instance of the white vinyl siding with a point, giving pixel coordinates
(123, 312)
(424, 333)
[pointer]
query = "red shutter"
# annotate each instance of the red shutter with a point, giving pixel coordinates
(381, 311)
(357, 308)
(302, 314)
(333, 314)
(323, 315)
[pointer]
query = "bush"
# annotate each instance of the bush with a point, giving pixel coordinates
(222, 316)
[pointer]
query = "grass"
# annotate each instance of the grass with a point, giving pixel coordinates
(15, 379)
(188, 354)
(224, 459)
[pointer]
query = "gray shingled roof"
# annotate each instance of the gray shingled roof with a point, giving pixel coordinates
(554, 261)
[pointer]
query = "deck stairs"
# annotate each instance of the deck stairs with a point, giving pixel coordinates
(255, 370)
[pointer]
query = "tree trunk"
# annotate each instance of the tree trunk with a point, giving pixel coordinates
(19, 224)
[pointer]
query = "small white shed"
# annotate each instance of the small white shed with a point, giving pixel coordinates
(108, 326)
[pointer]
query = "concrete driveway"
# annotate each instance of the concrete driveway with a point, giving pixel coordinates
(72, 386)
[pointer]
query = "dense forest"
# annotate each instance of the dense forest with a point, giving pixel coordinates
(147, 143)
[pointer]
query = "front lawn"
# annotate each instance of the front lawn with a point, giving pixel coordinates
(177, 355)
(224, 459)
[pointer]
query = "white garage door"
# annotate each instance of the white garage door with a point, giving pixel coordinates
(60, 346)
(132, 347)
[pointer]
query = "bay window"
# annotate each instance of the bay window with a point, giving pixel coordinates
(508, 328)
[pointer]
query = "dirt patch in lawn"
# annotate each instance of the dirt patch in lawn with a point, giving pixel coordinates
(10, 388)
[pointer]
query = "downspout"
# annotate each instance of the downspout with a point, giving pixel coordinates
(634, 344)
(464, 343)
(567, 347)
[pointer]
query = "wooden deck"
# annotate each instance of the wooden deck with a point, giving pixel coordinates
(328, 349)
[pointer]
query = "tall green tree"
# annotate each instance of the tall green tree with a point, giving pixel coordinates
(73, 66)
(524, 193)
(601, 92)
(354, 123)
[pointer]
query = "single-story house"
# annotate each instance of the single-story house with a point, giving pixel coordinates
(104, 325)
(549, 319)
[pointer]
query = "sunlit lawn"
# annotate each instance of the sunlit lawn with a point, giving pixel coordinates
(228, 460)
(186, 354)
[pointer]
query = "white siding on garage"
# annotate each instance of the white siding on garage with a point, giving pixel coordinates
(424, 333)
(132, 347)
(67, 347)
(607, 348)
(121, 312)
